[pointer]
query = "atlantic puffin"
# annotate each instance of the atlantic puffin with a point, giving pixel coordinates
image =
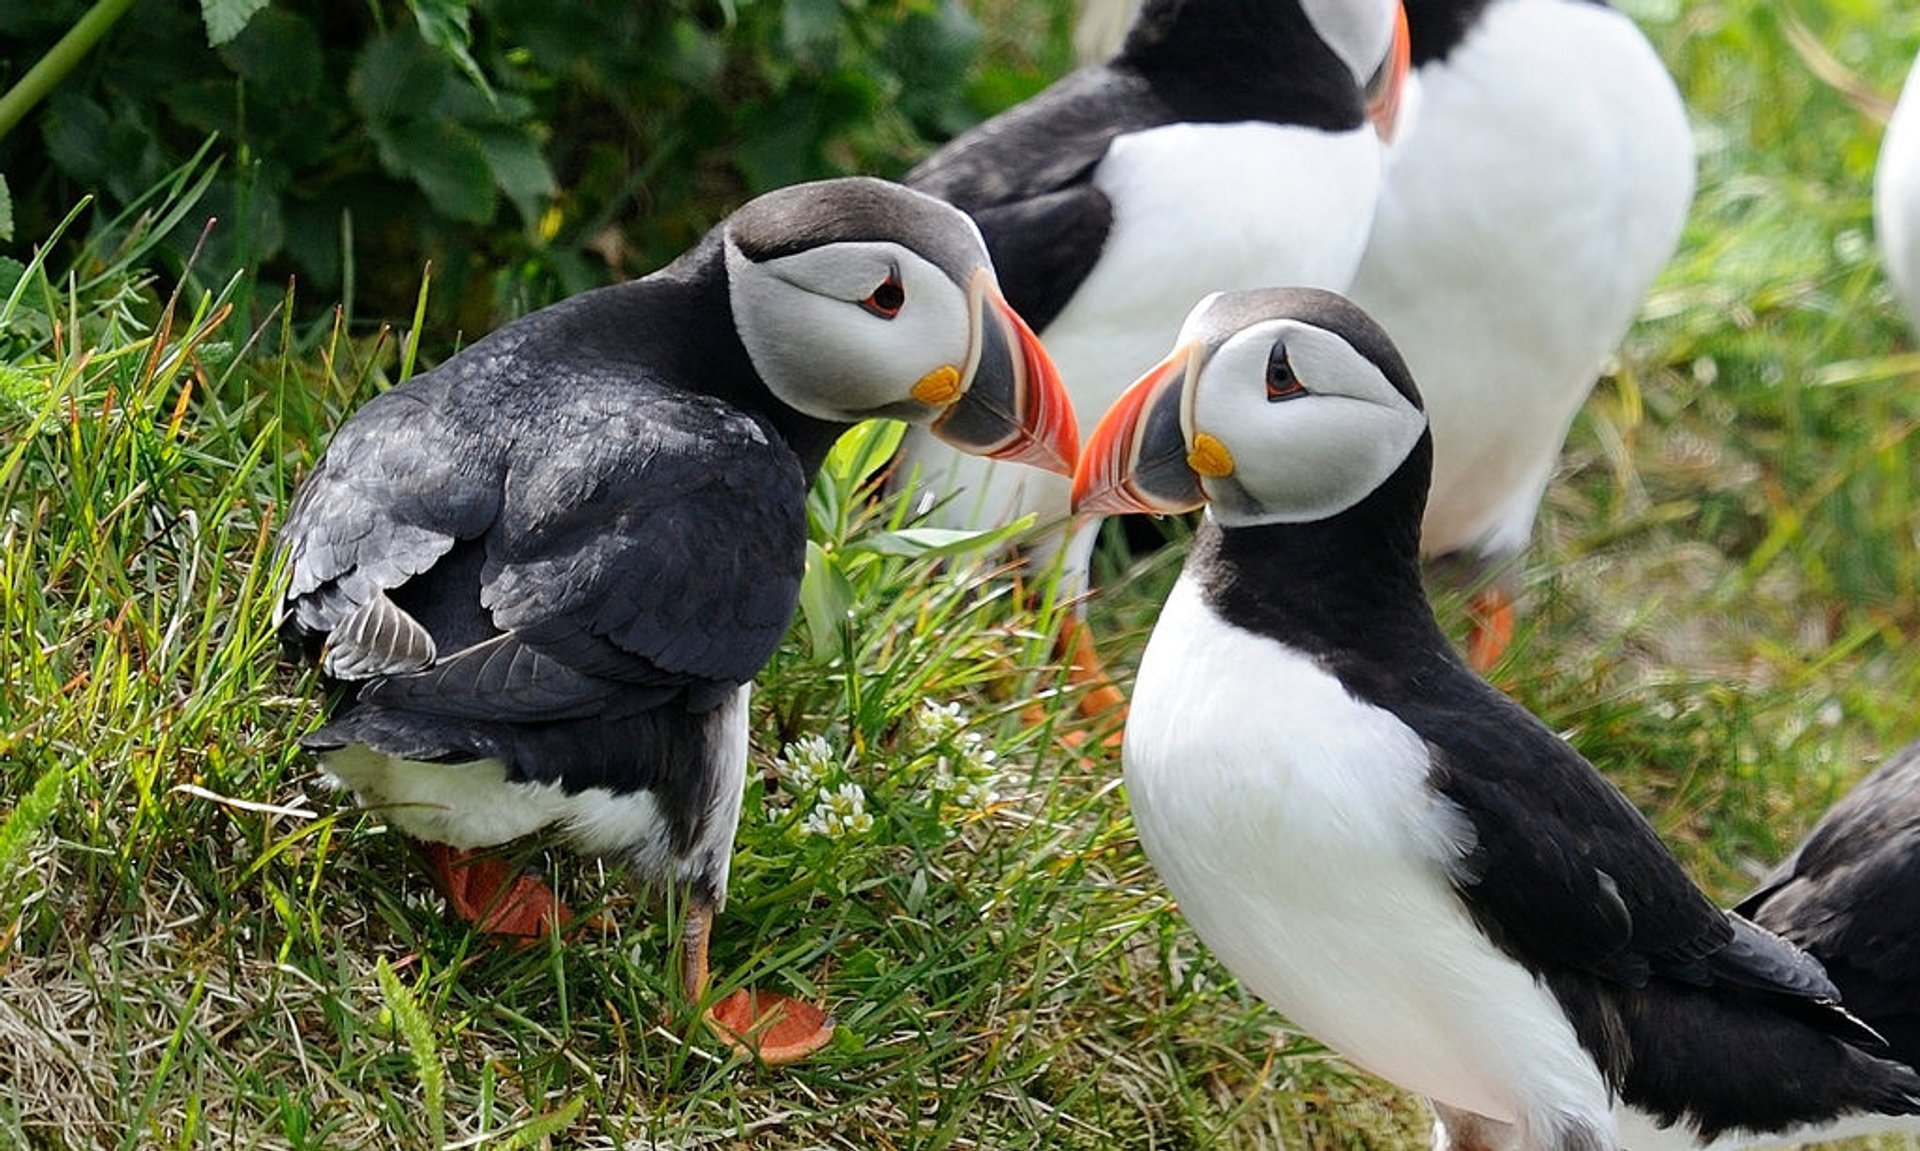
(1227, 144)
(1393, 853)
(542, 576)
(1849, 895)
(1896, 197)
(1520, 224)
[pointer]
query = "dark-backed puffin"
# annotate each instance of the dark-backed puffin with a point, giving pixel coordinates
(1849, 895)
(1227, 144)
(1522, 219)
(544, 574)
(1393, 853)
(1896, 197)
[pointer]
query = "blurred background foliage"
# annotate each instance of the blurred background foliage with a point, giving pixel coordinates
(525, 150)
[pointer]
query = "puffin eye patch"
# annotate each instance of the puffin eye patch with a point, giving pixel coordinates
(1282, 384)
(886, 300)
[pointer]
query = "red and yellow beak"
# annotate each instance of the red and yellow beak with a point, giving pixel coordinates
(1384, 90)
(1008, 403)
(1139, 458)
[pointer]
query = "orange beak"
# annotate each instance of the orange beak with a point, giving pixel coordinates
(1383, 91)
(1013, 405)
(1136, 459)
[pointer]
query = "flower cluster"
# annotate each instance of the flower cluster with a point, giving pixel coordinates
(963, 769)
(841, 811)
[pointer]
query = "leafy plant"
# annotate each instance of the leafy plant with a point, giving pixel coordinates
(525, 150)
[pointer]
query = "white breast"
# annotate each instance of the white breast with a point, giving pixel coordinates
(1197, 208)
(1523, 218)
(1896, 197)
(1295, 827)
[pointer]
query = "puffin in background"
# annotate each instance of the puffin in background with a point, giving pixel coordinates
(542, 576)
(1896, 197)
(1394, 854)
(1227, 144)
(1520, 224)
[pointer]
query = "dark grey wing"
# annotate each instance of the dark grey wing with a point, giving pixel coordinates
(644, 539)
(1850, 895)
(1025, 176)
(400, 484)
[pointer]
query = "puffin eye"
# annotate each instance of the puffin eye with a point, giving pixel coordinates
(1282, 384)
(887, 299)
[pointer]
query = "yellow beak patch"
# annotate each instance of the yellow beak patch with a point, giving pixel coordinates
(939, 387)
(1209, 456)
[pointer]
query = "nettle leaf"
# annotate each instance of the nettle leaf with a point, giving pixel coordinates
(396, 77)
(518, 168)
(448, 26)
(6, 211)
(447, 161)
(225, 18)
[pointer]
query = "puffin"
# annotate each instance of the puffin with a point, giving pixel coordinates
(1896, 197)
(1228, 143)
(1849, 895)
(1390, 851)
(1520, 223)
(541, 577)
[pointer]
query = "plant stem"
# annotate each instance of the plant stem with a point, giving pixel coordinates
(59, 60)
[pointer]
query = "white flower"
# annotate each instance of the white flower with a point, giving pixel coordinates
(804, 763)
(937, 721)
(975, 795)
(841, 811)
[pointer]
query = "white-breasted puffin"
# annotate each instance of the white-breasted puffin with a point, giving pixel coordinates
(1521, 221)
(1896, 197)
(1227, 144)
(1396, 855)
(544, 574)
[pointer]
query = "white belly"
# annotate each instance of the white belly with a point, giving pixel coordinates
(1522, 219)
(1294, 825)
(474, 805)
(1184, 226)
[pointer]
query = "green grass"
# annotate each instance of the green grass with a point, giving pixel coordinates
(202, 947)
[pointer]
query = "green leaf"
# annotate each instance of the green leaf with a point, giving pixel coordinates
(417, 1031)
(921, 543)
(826, 599)
(6, 211)
(446, 161)
(518, 168)
(26, 818)
(448, 26)
(858, 456)
(396, 78)
(225, 18)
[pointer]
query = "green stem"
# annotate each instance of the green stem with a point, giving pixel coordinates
(59, 60)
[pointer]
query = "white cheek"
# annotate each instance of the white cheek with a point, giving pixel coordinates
(832, 359)
(1317, 461)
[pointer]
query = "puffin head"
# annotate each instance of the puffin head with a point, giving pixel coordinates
(1280, 405)
(858, 298)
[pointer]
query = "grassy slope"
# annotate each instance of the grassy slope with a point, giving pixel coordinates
(200, 947)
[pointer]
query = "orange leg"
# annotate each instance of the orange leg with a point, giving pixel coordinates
(1074, 646)
(491, 894)
(774, 1028)
(1489, 628)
